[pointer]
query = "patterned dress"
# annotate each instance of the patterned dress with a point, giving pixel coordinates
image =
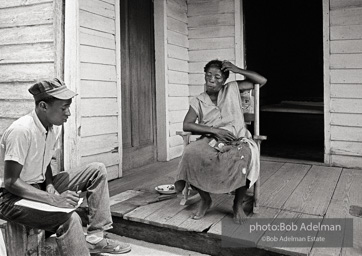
(215, 169)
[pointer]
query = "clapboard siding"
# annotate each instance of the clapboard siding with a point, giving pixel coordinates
(177, 67)
(26, 54)
(98, 84)
(345, 70)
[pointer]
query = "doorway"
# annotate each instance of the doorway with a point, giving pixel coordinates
(138, 83)
(284, 43)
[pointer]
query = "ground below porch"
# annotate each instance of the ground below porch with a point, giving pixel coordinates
(292, 191)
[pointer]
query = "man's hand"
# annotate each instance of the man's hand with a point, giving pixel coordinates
(67, 199)
(51, 190)
(223, 135)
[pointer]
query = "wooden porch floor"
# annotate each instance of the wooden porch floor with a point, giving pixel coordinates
(288, 190)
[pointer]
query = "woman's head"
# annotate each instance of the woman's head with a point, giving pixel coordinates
(214, 76)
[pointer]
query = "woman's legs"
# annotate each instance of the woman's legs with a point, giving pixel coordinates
(239, 214)
(204, 205)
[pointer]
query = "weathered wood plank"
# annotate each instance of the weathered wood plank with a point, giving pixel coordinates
(92, 54)
(346, 148)
(107, 158)
(175, 127)
(240, 234)
(212, 32)
(287, 218)
(313, 194)
(346, 32)
(11, 109)
(99, 125)
(176, 77)
(177, 65)
(98, 7)
(178, 103)
(99, 107)
(175, 38)
(225, 19)
(197, 79)
(197, 67)
(212, 43)
(139, 214)
(215, 214)
(338, 4)
(343, 119)
(96, 22)
(27, 15)
(16, 3)
(41, 52)
(177, 52)
(278, 188)
(176, 11)
(178, 90)
(112, 172)
(346, 91)
(207, 55)
(118, 198)
(177, 116)
(98, 144)
(349, 76)
(346, 105)
(175, 141)
(98, 72)
(26, 72)
(13, 91)
(346, 161)
(345, 17)
(341, 61)
(177, 26)
(346, 194)
(268, 169)
(96, 38)
(210, 7)
(345, 133)
(24, 35)
(346, 46)
(98, 89)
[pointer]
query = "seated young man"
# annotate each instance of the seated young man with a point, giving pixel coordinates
(26, 149)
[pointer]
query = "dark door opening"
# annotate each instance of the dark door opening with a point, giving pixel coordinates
(138, 83)
(284, 42)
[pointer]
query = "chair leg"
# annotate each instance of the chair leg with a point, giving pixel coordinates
(256, 196)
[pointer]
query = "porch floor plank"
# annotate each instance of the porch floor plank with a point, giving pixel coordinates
(347, 193)
(292, 191)
(313, 194)
(278, 188)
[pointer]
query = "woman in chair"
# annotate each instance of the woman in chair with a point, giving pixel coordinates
(225, 158)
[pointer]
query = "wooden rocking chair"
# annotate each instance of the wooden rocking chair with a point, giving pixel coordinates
(250, 101)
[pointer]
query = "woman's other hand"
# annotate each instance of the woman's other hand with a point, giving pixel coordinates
(223, 135)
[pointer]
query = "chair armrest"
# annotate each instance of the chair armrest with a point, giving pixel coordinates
(259, 137)
(182, 133)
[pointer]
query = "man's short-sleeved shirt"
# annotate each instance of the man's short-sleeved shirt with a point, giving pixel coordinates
(27, 142)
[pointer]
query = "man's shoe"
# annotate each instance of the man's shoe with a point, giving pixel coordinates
(110, 246)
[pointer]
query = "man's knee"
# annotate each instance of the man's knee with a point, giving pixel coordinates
(100, 167)
(73, 221)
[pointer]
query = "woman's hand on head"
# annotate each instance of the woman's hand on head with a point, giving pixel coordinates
(223, 135)
(228, 66)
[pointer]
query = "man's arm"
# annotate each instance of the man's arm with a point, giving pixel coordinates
(15, 185)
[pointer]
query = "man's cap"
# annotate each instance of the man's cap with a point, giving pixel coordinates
(47, 88)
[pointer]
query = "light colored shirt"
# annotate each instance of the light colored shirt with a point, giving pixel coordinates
(27, 142)
(226, 114)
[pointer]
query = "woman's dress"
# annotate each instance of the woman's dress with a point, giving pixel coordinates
(222, 170)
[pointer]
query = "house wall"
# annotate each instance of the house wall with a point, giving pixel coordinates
(197, 32)
(344, 83)
(27, 45)
(177, 72)
(92, 61)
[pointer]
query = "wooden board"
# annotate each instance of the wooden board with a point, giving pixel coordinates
(278, 188)
(313, 194)
(99, 125)
(347, 193)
